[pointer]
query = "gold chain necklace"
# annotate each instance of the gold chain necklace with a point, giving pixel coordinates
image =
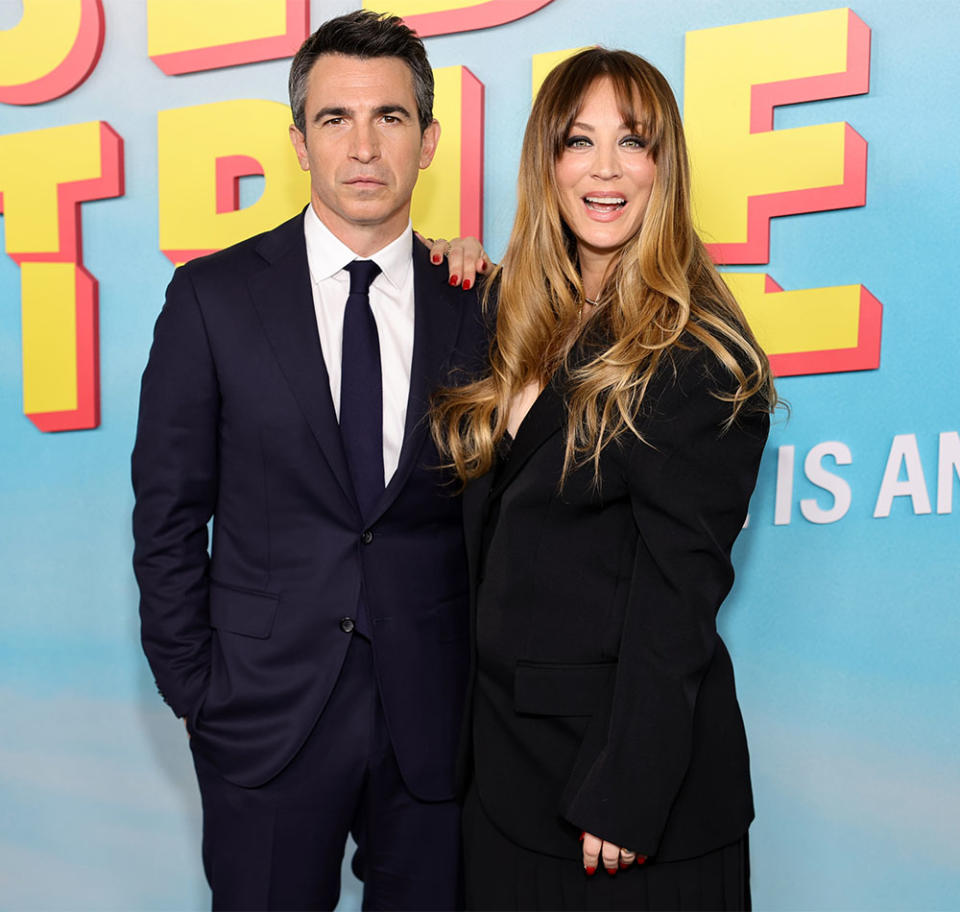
(585, 300)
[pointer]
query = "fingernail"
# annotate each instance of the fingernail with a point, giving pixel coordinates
(582, 835)
(641, 859)
(624, 865)
(483, 266)
(611, 871)
(454, 280)
(466, 284)
(591, 870)
(435, 258)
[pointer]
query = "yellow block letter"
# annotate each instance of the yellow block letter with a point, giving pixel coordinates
(198, 149)
(745, 172)
(50, 51)
(185, 36)
(41, 189)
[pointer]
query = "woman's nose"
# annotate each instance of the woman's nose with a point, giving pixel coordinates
(606, 162)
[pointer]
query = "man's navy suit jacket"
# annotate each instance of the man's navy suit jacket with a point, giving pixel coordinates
(237, 422)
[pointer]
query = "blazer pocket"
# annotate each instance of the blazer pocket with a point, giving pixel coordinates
(560, 690)
(244, 611)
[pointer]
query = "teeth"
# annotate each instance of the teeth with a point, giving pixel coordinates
(606, 200)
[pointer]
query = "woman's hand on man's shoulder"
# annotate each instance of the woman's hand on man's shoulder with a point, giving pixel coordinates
(466, 258)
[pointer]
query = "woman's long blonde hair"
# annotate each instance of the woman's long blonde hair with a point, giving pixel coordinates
(664, 291)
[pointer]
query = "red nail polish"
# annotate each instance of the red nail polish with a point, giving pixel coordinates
(435, 259)
(610, 871)
(454, 280)
(582, 835)
(641, 859)
(591, 870)
(466, 284)
(624, 865)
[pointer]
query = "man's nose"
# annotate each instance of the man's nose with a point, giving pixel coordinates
(365, 145)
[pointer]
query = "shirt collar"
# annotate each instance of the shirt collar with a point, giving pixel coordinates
(327, 254)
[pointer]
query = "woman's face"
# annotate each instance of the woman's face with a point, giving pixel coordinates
(604, 176)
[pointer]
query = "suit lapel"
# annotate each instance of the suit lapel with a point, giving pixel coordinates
(475, 502)
(438, 313)
(284, 301)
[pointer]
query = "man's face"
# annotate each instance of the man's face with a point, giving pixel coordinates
(363, 147)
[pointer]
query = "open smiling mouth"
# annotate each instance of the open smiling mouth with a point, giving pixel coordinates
(604, 203)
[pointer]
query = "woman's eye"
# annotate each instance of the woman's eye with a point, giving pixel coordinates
(634, 142)
(577, 142)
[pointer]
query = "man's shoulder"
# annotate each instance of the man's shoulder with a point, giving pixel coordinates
(433, 280)
(259, 249)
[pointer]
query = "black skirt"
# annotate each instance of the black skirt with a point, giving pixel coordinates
(500, 875)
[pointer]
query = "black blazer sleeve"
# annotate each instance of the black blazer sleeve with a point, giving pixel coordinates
(175, 482)
(689, 485)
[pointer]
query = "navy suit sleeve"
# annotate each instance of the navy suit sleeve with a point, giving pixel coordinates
(175, 482)
(690, 484)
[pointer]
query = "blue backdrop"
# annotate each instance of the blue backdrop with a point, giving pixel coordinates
(845, 635)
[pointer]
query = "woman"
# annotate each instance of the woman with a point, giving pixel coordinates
(610, 454)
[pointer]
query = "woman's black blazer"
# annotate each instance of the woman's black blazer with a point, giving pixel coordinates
(605, 700)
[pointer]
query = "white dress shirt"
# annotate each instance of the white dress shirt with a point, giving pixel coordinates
(391, 300)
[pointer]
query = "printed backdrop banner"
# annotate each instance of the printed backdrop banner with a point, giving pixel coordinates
(136, 135)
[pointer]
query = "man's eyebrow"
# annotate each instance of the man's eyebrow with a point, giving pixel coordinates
(337, 111)
(330, 112)
(392, 109)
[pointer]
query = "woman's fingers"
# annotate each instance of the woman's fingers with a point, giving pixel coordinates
(596, 851)
(591, 852)
(455, 264)
(628, 858)
(465, 258)
(471, 258)
(610, 855)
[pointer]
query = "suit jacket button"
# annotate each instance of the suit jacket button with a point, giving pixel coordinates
(366, 537)
(347, 625)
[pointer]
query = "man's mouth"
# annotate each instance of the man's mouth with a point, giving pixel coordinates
(364, 183)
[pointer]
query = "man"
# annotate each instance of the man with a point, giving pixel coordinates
(319, 654)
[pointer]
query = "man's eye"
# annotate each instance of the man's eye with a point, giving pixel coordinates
(333, 121)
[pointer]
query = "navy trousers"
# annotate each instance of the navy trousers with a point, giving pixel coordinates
(281, 845)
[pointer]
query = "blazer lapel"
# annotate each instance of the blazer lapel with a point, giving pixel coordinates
(283, 298)
(547, 416)
(438, 313)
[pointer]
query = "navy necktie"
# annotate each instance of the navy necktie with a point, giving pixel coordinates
(361, 389)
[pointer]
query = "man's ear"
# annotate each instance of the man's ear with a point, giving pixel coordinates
(299, 142)
(428, 144)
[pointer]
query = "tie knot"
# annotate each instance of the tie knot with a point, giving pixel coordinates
(362, 273)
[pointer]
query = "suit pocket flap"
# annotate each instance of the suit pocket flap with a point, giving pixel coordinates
(242, 610)
(560, 690)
